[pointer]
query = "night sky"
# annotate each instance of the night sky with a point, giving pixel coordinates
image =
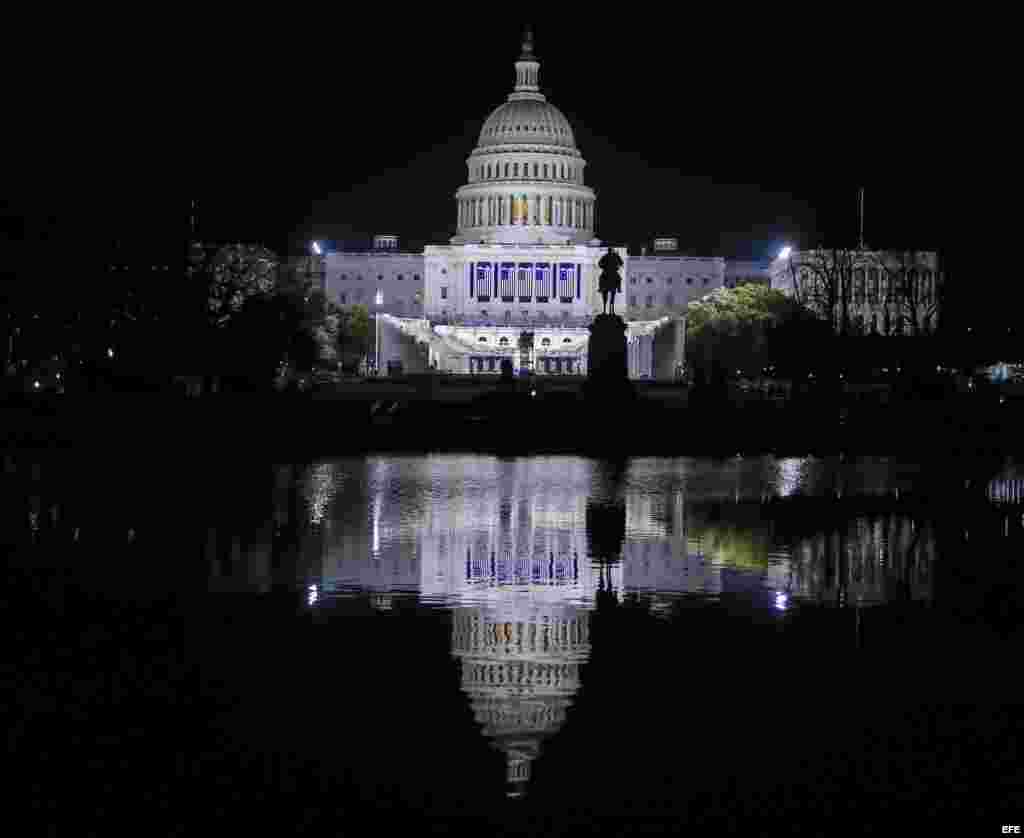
(728, 143)
(734, 141)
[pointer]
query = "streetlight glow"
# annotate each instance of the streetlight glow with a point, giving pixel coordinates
(316, 249)
(784, 253)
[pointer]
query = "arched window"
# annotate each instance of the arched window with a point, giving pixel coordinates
(563, 171)
(415, 277)
(344, 277)
(535, 168)
(649, 280)
(482, 340)
(380, 277)
(545, 170)
(488, 170)
(400, 277)
(566, 340)
(506, 170)
(689, 280)
(515, 170)
(545, 342)
(503, 342)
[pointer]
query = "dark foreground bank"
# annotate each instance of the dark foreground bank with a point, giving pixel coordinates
(297, 424)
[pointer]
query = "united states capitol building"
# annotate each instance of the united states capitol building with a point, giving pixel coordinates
(519, 280)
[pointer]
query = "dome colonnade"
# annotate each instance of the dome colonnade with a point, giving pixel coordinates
(525, 182)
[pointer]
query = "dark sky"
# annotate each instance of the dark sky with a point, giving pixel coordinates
(735, 141)
(735, 147)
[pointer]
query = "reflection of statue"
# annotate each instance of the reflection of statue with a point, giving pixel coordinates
(611, 282)
(605, 519)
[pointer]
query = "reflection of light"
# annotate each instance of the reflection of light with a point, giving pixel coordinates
(312, 595)
(320, 490)
(376, 525)
(780, 601)
(789, 476)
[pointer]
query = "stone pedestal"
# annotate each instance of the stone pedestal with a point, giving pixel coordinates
(606, 350)
(607, 374)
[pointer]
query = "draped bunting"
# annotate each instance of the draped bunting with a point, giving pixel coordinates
(565, 281)
(484, 272)
(507, 290)
(525, 282)
(542, 280)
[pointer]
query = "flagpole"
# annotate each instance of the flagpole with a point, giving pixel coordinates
(861, 218)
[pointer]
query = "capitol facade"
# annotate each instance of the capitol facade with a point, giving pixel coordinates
(519, 279)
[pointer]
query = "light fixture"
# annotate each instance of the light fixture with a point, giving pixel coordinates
(785, 252)
(316, 249)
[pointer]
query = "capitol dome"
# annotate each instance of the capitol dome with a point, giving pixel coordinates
(527, 121)
(526, 175)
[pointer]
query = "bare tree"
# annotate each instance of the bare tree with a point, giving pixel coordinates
(912, 296)
(822, 280)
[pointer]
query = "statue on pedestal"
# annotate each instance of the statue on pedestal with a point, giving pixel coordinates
(611, 281)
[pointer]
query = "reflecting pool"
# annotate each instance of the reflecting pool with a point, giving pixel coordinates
(469, 633)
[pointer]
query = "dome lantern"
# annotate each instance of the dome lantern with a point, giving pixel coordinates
(527, 72)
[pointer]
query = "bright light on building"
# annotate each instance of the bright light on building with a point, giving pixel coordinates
(110, 353)
(316, 249)
(780, 601)
(313, 594)
(36, 384)
(379, 298)
(784, 253)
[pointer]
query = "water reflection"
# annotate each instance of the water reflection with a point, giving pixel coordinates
(526, 554)
(869, 560)
(523, 551)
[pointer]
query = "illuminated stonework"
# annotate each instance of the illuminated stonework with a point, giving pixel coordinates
(522, 267)
(526, 174)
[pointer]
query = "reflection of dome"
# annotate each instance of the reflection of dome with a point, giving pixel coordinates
(520, 677)
(529, 121)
